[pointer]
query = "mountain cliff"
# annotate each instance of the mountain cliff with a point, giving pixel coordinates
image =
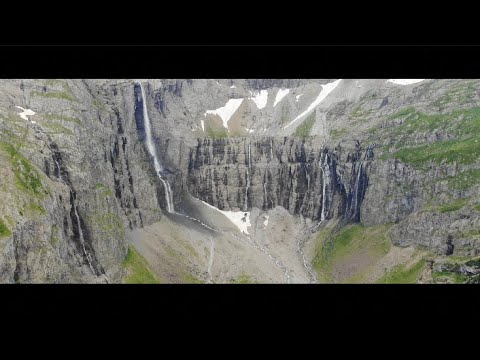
(261, 180)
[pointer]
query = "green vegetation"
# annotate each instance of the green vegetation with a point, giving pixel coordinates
(105, 190)
(404, 112)
(451, 272)
(100, 105)
(464, 180)
(360, 112)
(57, 129)
(243, 279)
(54, 235)
(4, 231)
(36, 209)
(351, 243)
(285, 114)
(109, 222)
(64, 95)
(338, 133)
(448, 277)
(453, 206)
(477, 207)
(215, 132)
(54, 117)
(138, 271)
(188, 278)
(468, 233)
(448, 151)
(460, 94)
(401, 274)
(464, 124)
(303, 130)
(27, 178)
(52, 82)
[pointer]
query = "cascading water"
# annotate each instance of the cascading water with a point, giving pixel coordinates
(325, 181)
(82, 239)
(151, 150)
(248, 177)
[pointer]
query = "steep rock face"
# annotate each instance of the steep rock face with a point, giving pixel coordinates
(84, 151)
(244, 173)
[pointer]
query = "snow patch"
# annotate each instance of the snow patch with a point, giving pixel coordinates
(226, 111)
(218, 83)
(265, 222)
(249, 130)
(280, 95)
(297, 97)
(232, 87)
(326, 89)
(260, 98)
(25, 112)
(240, 219)
(404, 81)
(203, 125)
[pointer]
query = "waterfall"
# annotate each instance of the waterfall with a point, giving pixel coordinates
(248, 177)
(325, 180)
(271, 149)
(151, 150)
(355, 191)
(58, 168)
(80, 234)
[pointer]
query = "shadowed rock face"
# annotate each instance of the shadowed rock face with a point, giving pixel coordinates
(344, 160)
(282, 172)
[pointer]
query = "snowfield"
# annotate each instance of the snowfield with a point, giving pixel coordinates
(240, 219)
(260, 98)
(280, 95)
(404, 81)
(226, 111)
(326, 89)
(25, 112)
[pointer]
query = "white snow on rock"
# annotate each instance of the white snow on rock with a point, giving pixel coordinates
(203, 125)
(25, 112)
(265, 222)
(260, 98)
(226, 111)
(240, 219)
(326, 89)
(280, 95)
(297, 97)
(404, 81)
(218, 83)
(249, 130)
(232, 87)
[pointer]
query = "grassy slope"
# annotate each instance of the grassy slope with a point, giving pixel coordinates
(402, 274)
(464, 147)
(4, 231)
(303, 130)
(353, 244)
(138, 271)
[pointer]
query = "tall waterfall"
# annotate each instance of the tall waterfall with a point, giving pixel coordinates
(325, 181)
(80, 234)
(152, 151)
(248, 177)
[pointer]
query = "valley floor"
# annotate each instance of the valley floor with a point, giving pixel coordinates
(279, 248)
